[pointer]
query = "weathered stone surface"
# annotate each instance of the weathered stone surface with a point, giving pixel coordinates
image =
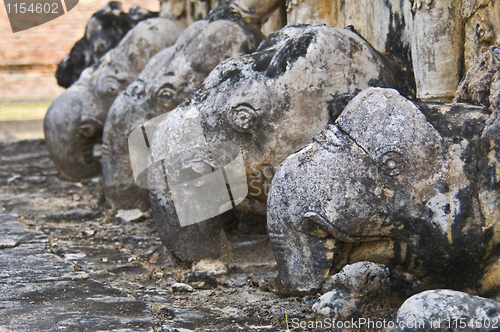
(267, 105)
(410, 187)
(186, 317)
(24, 258)
(74, 121)
(210, 267)
(365, 289)
(104, 31)
(481, 28)
(171, 77)
(15, 233)
(481, 85)
(276, 21)
(182, 288)
(69, 305)
(447, 310)
(440, 38)
(27, 263)
(255, 11)
(436, 31)
(130, 215)
(44, 292)
(381, 23)
(187, 11)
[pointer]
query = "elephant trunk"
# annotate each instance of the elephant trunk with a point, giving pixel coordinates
(303, 248)
(203, 240)
(303, 262)
(126, 113)
(70, 134)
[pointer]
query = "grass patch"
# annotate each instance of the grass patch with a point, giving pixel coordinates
(19, 111)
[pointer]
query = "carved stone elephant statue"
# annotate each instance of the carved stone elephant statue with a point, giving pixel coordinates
(169, 78)
(73, 124)
(266, 105)
(411, 186)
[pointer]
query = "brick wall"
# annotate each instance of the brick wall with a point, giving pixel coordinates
(52, 41)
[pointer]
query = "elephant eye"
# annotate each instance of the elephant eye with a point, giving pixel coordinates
(243, 117)
(109, 87)
(166, 92)
(496, 53)
(391, 163)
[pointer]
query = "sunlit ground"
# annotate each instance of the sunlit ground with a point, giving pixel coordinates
(22, 120)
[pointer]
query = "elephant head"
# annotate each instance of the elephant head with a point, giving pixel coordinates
(169, 78)
(74, 121)
(267, 105)
(391, 183)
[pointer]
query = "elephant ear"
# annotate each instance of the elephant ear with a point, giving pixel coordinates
(219, 41)
(489, 194)
(496, 54)
(145, 40)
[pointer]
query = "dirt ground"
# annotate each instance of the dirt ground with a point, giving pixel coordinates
(22, 120)
(26, 129)
(129, 257)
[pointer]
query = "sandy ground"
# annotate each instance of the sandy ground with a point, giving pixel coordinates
(22, 120)
(21, 130)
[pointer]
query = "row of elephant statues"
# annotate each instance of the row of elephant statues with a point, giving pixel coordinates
(327, 146)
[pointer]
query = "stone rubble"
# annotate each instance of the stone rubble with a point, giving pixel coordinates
(365, 289)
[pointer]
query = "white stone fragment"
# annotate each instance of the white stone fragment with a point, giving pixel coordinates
(182, 288)
(130, 215)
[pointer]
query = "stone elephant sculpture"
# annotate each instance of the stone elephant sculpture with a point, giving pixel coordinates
(104, 31)
(266, 105)
(168, 79)
(414, 187)
(74, 121)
